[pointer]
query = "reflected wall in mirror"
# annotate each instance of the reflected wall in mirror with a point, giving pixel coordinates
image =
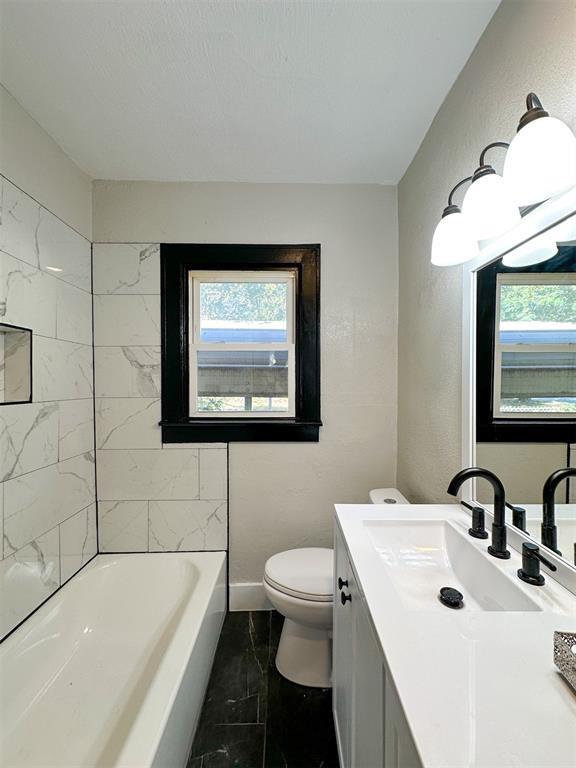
(525, 374)
(15, 365)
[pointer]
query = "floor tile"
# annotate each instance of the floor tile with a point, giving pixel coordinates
(254, 718)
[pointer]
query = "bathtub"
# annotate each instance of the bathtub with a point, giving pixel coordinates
(112, 670)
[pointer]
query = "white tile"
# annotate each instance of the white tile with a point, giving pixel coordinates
(138, 475)
(36, 502)
(28, 438)
(73, 314)
(126, 268)
(76, 430)
(27, 578)
(63, 252)
(62, 370)
(77, 542)
(213, 474)
(19, 223)
(128, 423)
(1, 520)
(126, 321)
(31, 233)
(187, 525)
(127, 371)
(123, 526)
(206, 446)
(27, 296)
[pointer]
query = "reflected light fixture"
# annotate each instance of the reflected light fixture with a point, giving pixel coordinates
(541, 160)
(453, 241)
(535, 251)
(488, 205)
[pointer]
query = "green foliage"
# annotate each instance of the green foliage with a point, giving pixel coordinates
(243, 301)
(552, 303)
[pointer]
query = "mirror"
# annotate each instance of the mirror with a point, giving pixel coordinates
(15, 365)
(523, 379)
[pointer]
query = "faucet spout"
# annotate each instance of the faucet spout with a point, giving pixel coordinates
(498, 546)
(549, 534)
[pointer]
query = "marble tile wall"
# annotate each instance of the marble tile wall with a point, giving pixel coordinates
(47, 459)
(151, 497)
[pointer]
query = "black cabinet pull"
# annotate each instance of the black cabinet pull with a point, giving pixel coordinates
(344, 598)
(342, 583)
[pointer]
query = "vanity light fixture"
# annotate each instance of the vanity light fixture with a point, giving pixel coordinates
(488, 204)
(535, 251)
(541, 160)
(453, 241)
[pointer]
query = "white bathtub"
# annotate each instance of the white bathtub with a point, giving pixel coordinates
(112, 670)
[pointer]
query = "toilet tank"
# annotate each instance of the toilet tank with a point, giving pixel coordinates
(387, 496)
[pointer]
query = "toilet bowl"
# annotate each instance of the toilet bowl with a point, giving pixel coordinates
(300, 585)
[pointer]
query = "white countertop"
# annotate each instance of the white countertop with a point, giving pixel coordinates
(478, 688)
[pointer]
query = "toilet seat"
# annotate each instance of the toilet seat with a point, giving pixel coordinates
(306, 573)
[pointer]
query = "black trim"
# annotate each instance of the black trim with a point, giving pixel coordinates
(31, 362)
(177, 260)
(489, 429)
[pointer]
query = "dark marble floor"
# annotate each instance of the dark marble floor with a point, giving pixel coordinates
(253, 717)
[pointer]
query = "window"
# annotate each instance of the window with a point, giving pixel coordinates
(240, 343)
(242, 350)
(535, 346)
(526, 351)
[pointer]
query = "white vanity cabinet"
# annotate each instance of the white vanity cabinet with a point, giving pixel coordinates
(371, 729)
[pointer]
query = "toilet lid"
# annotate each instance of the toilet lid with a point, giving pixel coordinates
(304, 573)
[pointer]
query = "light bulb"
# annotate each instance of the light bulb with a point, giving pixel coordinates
(488, 205)
(535, 251)
(541, 161)
(453, 242)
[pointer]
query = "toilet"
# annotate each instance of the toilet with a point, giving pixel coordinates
(300, 585)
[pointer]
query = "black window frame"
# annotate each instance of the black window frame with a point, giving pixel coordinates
(177, 261)
(526, 430)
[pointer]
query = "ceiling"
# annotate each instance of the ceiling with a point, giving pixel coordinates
(316, 91)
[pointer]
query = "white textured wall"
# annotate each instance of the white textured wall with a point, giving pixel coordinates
(282, 495)
(33, 161)
(528, 46)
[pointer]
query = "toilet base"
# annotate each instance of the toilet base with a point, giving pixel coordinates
(305, 655)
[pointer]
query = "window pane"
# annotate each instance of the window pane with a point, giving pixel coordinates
(539, 382)
(244, 312)
(242, 381)
(542, 377)
(538, 314)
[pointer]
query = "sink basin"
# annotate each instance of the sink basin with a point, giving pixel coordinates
(422, 556)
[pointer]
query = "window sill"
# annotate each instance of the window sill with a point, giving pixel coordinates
(240, 431)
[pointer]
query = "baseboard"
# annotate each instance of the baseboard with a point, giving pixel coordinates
(248, 596)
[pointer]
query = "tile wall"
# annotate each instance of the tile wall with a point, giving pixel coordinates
(47, 462)
(151, 497)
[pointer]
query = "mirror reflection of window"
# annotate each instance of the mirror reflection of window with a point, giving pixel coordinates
(535, 345)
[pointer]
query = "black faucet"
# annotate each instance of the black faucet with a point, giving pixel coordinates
(498, 546)
(549, 536)
(531, 559)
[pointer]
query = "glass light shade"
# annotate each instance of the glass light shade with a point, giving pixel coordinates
(541, 161)
(453, 242)
(535, 251)
(489, 207)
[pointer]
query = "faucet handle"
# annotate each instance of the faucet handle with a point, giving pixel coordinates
(518, 516)
(531, 559)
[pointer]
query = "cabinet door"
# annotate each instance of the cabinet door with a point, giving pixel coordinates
(342, 656)
(368, 686)
(400, 750)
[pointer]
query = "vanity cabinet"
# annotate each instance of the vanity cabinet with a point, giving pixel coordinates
(371, 729)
